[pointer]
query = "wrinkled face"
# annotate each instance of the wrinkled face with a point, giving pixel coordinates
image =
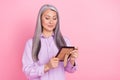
(49, 20)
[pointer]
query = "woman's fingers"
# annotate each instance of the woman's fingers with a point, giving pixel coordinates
(65, 59)
(76, 48)
(55, 59)
(54, 62)
(74, 53)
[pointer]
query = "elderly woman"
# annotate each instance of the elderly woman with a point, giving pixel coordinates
(39, 61)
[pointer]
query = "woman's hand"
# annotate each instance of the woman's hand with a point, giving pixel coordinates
(74, 55)
(53, 63)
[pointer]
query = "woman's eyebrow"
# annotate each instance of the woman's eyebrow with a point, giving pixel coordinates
(46, 15)
(50, 16)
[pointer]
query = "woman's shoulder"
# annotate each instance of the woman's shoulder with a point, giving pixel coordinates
(29, 42)
(67, 40)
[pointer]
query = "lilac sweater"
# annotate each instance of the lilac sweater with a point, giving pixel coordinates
(35, 70)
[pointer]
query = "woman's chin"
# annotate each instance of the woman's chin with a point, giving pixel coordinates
(50, 29)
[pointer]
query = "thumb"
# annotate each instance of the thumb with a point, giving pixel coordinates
(65, 60)
(76, 48)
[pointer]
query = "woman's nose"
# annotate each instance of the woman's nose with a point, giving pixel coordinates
(51, 21)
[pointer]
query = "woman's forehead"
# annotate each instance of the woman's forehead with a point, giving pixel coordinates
(49, 12)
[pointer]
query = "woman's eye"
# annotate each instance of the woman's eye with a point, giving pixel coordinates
(47, 18)
(54, 18)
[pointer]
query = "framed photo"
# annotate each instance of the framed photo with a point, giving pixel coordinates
(63, 51)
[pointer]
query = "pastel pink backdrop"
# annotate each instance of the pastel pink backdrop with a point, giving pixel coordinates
(92, 25)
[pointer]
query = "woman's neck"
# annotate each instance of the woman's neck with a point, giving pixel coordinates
(47, 34)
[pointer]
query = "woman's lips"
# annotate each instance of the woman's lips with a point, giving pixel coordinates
(50, 25)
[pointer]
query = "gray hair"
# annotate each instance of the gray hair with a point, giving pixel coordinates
(58, 38)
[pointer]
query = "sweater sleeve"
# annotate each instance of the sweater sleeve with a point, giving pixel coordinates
(69, 67)
(30, 68)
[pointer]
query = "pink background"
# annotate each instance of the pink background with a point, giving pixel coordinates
(92, 25)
